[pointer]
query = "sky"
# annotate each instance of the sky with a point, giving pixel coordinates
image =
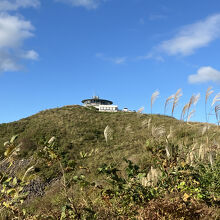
(58, 52)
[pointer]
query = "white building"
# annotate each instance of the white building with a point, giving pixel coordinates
(101, 104)
(126, 110)
(108, 108)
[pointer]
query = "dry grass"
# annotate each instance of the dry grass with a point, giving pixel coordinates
(153, 142)
(173, 207)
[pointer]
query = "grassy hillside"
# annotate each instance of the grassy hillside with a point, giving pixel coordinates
(82, 173)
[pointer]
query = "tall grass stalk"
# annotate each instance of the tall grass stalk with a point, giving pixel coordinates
(140, 110)
(216, 99)
(202, 151)
(168, 100)
(176, 98)
(157, 131)
(217, 114)
(153, 176)
(185, 108)
(209, 91)
(153, 98)
(190, 115)
(193, 101)
(107, 133)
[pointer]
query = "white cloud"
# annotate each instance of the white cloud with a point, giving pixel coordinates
(205, 74)
(31, 55)
(13, 5)
(13, 31)
(8, 62)
(151, 56)
(193, 36)
(119, 60)
(89, 4)
(115, 60)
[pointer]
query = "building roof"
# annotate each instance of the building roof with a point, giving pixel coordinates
(97, 99)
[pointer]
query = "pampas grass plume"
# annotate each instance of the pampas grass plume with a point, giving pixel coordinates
(216, 99)
(154, 97)
(107, 133)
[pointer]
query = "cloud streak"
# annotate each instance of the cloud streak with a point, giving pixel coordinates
(13, 32)
(115, 60)
(151, 56)
(205, 74)
(192, 37)
(88, 4)
(13, 5)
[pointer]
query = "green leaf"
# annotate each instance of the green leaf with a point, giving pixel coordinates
(52, 154)
(6, 204)
(63, 214)
(13, 138)
(185, 197)
(147, 143)
(8, 180)
(15, 181)
(6, 143)
(24, 210)
(8, 151)
(11, 191)
(75, 178)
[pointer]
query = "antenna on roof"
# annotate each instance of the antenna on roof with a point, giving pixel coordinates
(95, 96)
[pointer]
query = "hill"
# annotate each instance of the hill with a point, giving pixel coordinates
(80, 173)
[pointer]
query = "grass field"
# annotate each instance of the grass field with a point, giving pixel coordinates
(102, 165)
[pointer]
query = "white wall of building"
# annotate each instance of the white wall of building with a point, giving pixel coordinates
(108, 108)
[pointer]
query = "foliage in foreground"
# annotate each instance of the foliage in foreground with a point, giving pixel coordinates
(133, 167)
(173, 187)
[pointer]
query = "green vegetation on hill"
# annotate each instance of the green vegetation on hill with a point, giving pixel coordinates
(144, 166)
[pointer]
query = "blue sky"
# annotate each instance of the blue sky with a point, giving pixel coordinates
(58, 52)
